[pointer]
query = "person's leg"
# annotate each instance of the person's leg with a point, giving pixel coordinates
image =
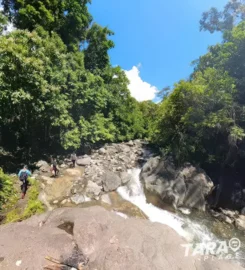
(73, 161)
(23, 189)
(56, 170)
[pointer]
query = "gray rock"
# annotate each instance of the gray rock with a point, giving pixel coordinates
(229, 213)
(184, 187)
(229, 220)
(78, 199)
(93, 190)
(104, 241)
(41, 163)
(111, 181)
(222, 217)
(112, 150)
(140, 152)
(243, 211)
(138, 143)
(102, 151)
(130, 143)
(105, 198)
(84, 161)
(125, 177)
(45, 168)
(124, 148)
(240, 223)
(63, 166)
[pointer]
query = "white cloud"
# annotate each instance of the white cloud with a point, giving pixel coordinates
(139, 89)
(10, 27)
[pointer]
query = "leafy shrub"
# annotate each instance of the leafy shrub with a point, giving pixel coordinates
(13, 216)
(6, 188)
(33, 207)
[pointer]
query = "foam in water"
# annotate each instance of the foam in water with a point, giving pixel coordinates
(135, 194)
(190, 230)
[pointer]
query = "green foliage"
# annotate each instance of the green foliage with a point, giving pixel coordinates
(69, 19)
(57, 99)
(96, 55)
(57, 87)
(3, 23)
(196, 115)
(31, 82)
(149, 111)
(6, 188)
(33, 207)
(13, 216)
(214, 20)
(202, 120)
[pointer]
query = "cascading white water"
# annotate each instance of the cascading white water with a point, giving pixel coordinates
(134, 193)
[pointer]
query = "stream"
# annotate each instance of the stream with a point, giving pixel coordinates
(195, 227)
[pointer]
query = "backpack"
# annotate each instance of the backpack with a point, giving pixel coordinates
(23, 177)
(55, 163)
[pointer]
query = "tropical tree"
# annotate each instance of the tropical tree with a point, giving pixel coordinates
(70, 18)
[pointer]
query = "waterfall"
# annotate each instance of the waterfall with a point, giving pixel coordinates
(134, 193)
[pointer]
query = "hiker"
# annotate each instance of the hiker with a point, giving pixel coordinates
(23, 176)
(73, 159)
(54, 167)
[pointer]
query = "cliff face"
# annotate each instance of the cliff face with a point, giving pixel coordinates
(94, 238)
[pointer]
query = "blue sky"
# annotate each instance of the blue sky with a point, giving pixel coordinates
(162, 36)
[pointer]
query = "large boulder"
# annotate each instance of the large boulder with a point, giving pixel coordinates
(78, 198)
(111, 181)
(41, 163)
(97, 239)
(125, 177)
(43, 166)
(102, 151)
(123, 148)
(184, 187)
(93, 190)
(240, 223)
(84, 161)
(130, 143)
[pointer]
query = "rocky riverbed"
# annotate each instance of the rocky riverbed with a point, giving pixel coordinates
(98, 175)
(94, 176)
(106, 178)
(185, 188)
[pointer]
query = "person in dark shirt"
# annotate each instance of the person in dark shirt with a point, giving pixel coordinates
(23, 176)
